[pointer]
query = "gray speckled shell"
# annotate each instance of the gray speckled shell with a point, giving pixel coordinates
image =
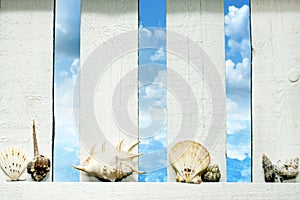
(280, 171)
(268, 167)
(212, 174)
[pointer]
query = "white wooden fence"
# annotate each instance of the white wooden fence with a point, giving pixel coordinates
(26, 88)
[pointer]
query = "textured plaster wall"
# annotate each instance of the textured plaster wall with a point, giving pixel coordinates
(275, 81)
(203, 23)
(101, 21)
(26, 78)
(132, 191)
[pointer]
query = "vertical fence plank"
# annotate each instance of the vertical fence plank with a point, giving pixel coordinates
(26, 78)
(191, 110)
(102, 102)
(275, 81)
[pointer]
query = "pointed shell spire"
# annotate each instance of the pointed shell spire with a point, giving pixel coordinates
(40, 165)
(35, 145)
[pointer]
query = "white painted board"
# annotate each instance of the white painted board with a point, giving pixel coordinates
(275, 31)
(26, 78)
(132, 191)
(108, 76)
(196, 108)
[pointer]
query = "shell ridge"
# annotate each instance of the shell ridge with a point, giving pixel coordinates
(190, 159)
(132, 146)
(11, 164)
(119, 146)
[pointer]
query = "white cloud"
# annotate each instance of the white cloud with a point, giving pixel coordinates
(231, 105)
(144, 32)
(65, 122)
(161, 78)
(242, 47)
(154, 92)
(235, 126)
(237, 29)
(238, 75)
(151, 37)
(152, 108)
(239, 152)
(59, 27)
(74, 69)
(160, 33)
(159, 55)
(238, 117)
(237, 22)
(63, 73)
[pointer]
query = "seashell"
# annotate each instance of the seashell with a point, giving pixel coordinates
(40, 165)
(288, 169)
(280, 171)
(268, 167)
(110, 165)
(190, 160)
(13, 161)
(212, 174)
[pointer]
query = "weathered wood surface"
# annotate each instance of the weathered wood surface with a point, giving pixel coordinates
(275, 81)
(103, 116)
(26, 78)
(193, 113)
(230, 191)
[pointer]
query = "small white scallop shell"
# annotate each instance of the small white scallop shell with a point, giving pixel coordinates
(110, 165)
(190, 160)
(13, 162)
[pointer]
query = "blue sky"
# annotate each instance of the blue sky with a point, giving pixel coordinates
(66, 69)
(238, 71)
(152, 72)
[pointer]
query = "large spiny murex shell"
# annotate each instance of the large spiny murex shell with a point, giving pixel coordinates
(190, 160)
(111, 165)
(13, 161)
(40, 165)
(280, 171)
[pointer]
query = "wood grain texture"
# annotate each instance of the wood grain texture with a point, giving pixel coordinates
(190, 110)
(26, 78)
(230, 191)
(101, 22)
(275, 88)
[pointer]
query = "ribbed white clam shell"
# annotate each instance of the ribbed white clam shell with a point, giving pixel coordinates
(13, 161)
(190, 159)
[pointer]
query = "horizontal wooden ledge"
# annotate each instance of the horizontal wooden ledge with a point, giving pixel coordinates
(123, 190)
